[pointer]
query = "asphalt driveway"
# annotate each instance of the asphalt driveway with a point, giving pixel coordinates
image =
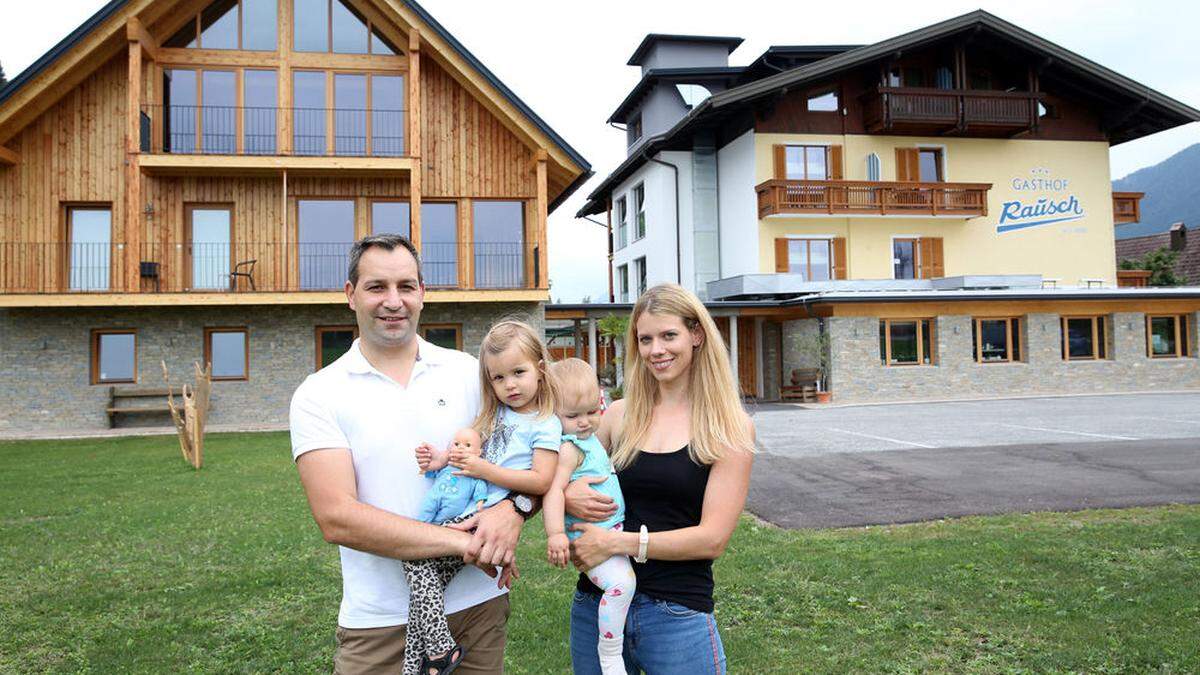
(867, 465)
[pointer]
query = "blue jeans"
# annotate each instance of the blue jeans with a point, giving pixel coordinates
(661, 638)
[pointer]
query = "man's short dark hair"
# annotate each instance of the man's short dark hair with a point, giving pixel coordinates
(387, 242)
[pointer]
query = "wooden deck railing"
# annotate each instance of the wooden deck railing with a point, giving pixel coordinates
(848, 197)
(241, 267)
(891, 107)
(1127, 206)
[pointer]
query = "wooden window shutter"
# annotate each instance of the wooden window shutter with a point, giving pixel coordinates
(839, 258)
(836, 163)
(908, 164)
(925, 258)
(781, 253)
(780, 162)
(937, 264)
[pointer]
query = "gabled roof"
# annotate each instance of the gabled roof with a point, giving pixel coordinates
(731, 43)
(1149, 111)
(681, 75)
(115, 6)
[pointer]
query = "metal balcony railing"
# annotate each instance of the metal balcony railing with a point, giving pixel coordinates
(239, 267)
(229, 130)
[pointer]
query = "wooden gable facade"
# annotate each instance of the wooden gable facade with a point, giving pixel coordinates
(119, 184)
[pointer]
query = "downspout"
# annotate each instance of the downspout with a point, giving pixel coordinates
(678, 253)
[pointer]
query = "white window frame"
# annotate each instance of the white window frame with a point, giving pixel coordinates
(639, 211)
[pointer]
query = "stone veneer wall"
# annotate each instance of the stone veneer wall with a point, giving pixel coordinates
(772, 365)
(858, 376)
(45, 357)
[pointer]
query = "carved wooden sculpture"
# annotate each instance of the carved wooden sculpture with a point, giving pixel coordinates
(190, 421)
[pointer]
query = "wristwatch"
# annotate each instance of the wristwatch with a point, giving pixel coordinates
(521, 504)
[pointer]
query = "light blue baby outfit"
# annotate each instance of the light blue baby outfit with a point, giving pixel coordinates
(451, 496)
(512, 441)
(596, 463)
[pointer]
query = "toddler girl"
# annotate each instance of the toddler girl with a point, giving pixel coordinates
(583, 455)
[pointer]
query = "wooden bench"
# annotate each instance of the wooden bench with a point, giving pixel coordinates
(803, 386)
(132, 395)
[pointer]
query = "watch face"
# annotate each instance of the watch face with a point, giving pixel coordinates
(524, 504)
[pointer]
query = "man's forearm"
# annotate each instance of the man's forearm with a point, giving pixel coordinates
(366, 528)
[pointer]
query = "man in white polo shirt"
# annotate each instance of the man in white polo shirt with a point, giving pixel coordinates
(355, 427)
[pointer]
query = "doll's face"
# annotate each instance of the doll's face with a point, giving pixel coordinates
(468, 440)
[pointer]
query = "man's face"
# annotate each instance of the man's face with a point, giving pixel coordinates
(388, 298)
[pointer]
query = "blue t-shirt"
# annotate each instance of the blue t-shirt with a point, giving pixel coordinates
(451, 496)
(596, 463)
(511, 444)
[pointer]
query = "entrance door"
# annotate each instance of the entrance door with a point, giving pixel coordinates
(210, 231)
(747, 352)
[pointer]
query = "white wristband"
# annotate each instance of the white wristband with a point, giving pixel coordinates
(643, 544)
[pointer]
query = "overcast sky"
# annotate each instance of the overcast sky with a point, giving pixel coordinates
(566, 59)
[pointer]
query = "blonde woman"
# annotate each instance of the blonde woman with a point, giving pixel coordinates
(683, 447)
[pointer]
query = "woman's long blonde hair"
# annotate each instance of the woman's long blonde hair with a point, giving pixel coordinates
(498, 339)
(718, 419)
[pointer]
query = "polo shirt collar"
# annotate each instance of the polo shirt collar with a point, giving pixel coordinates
(427, 355)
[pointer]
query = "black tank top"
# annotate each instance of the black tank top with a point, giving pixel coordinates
(665, 491)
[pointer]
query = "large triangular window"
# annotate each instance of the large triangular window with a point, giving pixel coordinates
(230, 24)
(337, 26)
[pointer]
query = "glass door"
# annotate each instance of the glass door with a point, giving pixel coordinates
(209, 250)
(89, 254)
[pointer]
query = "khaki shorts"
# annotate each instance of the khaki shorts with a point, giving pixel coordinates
(481, 629)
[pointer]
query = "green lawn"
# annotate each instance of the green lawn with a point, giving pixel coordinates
(116, 557)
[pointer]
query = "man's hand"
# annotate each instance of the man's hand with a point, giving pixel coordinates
(496, 531)
(585, 503)
(472, 466)
(558, 549)
(430, 458)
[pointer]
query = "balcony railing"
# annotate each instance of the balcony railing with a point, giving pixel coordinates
(871, 198)
(241, 267)
(940, 110)
(1127, 206)
(229, 130)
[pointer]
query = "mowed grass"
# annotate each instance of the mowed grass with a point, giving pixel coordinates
(117, 557)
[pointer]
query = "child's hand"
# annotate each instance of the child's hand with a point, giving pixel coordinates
(558, 550)
(470, 465)
(430, 458)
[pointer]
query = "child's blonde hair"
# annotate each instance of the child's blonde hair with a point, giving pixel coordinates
(718, 419)
(576, 382)
(502, 335)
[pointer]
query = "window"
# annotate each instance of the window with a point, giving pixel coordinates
(1083, 338)
(997, 340)
(904, 258)
(930, 165)
(368, 114)
(1167, 336)
(810, 258)
(388, 217)
(448, 335)
(89, 254)
(873, 167)
(326, 229)
(114, 356)
(308, 97)
(639, 211)
(633, 130)
(693, 94)
(807, 162)
(322, 23)
(260, 95)
(499, 233)
(439, 243)
(823, 102)
(623, 283)
(387, 115)
(230, 24)
(228, 350)
(907, 342)
(639, 273)
(333, 342)
(622, 231)
(210, 234)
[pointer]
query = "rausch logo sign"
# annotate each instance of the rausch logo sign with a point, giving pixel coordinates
(1055, 204)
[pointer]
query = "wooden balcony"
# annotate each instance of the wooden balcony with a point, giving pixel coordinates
(1127, 207)
(226, 140)
(248, 269)
(946, 111)
(871, 198)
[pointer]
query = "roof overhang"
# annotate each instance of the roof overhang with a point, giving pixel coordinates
(731, 43)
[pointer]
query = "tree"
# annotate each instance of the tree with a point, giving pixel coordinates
(1160, 264)
(3, 80)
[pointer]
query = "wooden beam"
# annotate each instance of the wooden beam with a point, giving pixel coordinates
(542, 206)
(414, 136)
(136, 32)
(133, 176)
(9, 157)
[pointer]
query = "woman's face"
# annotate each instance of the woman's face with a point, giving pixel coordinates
(666, 345)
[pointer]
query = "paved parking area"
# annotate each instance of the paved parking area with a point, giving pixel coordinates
(869, 465)
(793, 431)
